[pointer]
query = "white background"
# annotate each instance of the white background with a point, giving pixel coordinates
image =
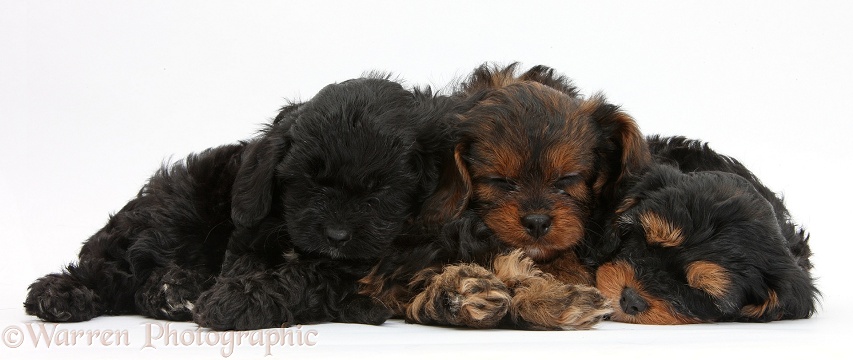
(94, 96)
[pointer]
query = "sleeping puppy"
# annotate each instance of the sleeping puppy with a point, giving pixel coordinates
(289, 220)
(539, 166)
(696, 245)
(329, 188)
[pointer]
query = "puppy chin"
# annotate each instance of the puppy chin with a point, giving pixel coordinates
(541, 253)
(338, 253)
(335, 254)
(537, 253)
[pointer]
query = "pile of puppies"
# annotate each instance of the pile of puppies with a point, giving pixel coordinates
(511, 202)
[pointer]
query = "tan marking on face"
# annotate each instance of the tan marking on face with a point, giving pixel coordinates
(659, 231)
(566, 230)
(612, 278)
(708, 277)
(498, 159)
(563, 158)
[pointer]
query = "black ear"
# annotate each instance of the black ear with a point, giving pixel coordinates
(255, 185)
(433, 119)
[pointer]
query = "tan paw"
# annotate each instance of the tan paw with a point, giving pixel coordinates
(544, 304)
(461, 295)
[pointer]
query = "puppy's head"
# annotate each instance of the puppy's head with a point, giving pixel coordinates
(534, 160)
(344, 171)
(700, 247)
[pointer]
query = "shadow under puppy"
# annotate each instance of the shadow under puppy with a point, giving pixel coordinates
(700, 239)
(289, 219)
(538, 166)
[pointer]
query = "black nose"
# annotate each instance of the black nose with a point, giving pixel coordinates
(631, 302)
(537, 224)
(337, 235)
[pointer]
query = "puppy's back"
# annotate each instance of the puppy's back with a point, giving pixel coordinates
(689, 155)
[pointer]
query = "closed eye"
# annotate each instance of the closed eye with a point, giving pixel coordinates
(567, 180)
(502, 183)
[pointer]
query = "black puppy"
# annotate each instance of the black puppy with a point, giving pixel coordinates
(291, 219)
(700, 239)
(330, 187)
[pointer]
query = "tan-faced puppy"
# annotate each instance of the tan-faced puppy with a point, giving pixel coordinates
(540, 166)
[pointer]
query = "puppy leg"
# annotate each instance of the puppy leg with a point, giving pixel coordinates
(247, 302)
(460, 295)
(62, 298)
(247, 295)
(170, 292)
(540, 302)
(293, 293)
(85, 290)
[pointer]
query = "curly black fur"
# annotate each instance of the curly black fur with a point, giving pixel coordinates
(289, 221)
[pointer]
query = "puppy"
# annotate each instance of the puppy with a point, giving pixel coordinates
(330, 187)
(540, 167)
(696, 245)
(289, 220)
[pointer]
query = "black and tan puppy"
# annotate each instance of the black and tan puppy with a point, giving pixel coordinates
(288, 220)
(538, 166)
(704, 241)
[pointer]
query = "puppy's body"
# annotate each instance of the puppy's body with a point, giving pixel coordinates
(705, 243)
(290, 220)
(692, 155)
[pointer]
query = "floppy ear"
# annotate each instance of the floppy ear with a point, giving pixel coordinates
(255, 185)
(454, 189)
(623, 134)
(785, 291)
(433, 137)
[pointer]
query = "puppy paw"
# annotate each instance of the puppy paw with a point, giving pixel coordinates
(461, 295)
(551, 305)
(170, 293)
(242, 303)
(59, 298)
(362, 309)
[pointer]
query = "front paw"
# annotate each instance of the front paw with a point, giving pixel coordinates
(242, 303)
(461, 295)
(60, 298)
(551, 305)
(170, 293)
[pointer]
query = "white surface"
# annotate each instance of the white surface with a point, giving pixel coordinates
(95, 95)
